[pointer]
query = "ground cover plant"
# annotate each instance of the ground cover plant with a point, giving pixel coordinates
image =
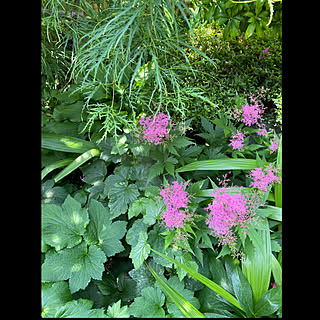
(152, 206)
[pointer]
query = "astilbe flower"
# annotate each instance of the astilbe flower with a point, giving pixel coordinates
(262, 178)
(176, 198)
(237, 140)
(251, 114)
(155, 129)
(274, 145)
(227, 211)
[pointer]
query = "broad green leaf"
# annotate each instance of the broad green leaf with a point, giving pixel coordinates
(257, 264)
(269, 303)
(76, 163)
(53, 295)
(271, 212)
(242, 290)
(95, 171)
(63, 226)
(250, 30)
(221, 164)
(116, 311)
(185, 306)
(149, 305)
(65, 143)
(276, 270)
(79, 264)
(80, 308)
(102, 232)
(225, 294)
(140, 251)
(120, 195)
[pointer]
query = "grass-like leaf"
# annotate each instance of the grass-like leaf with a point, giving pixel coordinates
(221, 164)
(185, 306)
(77, 163)
(210, 284)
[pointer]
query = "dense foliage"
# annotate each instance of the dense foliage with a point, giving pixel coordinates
(161, 159)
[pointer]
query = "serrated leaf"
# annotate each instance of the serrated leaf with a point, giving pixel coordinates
(120, 196)
(53, 295)
(78, 264)
(155, 170)
(63, 226)
(95, 171)
(178, 286)
(116, 311)
(140, 251)
(80, 308)
(102, 231)
(149, 305)
(182, 141)
(207, 125)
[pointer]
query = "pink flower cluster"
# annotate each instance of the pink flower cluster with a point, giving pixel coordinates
(175, 198)
(155, 129)
(262, 178)
(274, 145)
(226, 211)
(237, 140)
(251, 114)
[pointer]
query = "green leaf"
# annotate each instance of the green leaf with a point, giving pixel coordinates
(80, 308)
(155, 170)
(213, 286)
(53, 295)
(250, 30)
(116, 311)
(95, 171)
(152, 209)
(271, 212)
(78, 264)
(220, 164)
(65, 143)
(242, 290)
(269, 303)
(55, 165)
(278, 186)
(140, 251)
(178, 286)
(76, 163)
(63, 226)
(185, 306)
(257, 264)
(276, 270)
(102, 231)
(120, 195)
(149, 305)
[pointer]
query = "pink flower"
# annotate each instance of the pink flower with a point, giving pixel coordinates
(237, 140)
(251, 114)
(176, 198)
(226, 211)
(273, 284)
(266, 51)
(274, 145)
(262, 132)
(262, 178)
(155, 129)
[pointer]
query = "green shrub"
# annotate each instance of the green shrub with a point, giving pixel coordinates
(241, 67)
